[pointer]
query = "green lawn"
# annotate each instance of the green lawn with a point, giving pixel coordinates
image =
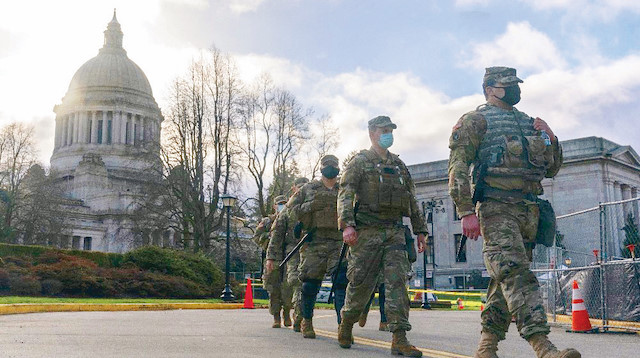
(20, 299)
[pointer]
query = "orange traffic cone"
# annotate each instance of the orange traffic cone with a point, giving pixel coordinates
(460, 304)
(248, 295)
(481, 307)
(579, 315)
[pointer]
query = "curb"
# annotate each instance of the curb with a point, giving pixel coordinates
(6, 309)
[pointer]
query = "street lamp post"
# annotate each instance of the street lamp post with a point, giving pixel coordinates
(431, 206)
(227, 201)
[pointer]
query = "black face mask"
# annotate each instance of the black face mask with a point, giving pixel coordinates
(511, 95)
(330, 172)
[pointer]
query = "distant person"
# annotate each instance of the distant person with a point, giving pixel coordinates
(271, 279)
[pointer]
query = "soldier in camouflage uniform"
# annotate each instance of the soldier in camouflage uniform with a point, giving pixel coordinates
(376, 191)
(281, 242)
(510, 157)
(315, 207)
(271, 280)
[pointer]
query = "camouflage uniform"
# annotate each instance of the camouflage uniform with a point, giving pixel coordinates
(505, 149)
(280, 244)
(314, 206)
(382, 192)
(271, 280)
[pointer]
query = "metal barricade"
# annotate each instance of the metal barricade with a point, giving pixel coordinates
(607, 271)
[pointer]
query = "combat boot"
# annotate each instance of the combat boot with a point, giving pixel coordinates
(307, 328)
(287, 318)
(345, 332)
(488, 346)
(545, 349)
(297, 322)
(384, 326)
(276, 320)
(400, 345)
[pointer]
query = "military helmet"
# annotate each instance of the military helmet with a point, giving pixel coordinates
(381, 122)
(330, 160)
(300, 181)
(280, 199)
(504, 75)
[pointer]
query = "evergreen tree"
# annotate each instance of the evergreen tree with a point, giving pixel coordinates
(631, 236)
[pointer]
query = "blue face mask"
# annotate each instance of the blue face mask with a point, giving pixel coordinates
(280, 207)
(386, 140)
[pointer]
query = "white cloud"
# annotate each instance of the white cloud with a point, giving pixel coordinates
(576, 102)
(521, 46)
(585, 101)
(242, 6)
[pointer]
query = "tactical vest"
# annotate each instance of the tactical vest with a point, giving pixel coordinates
(511, 147)
(325, 213)
(383, 189)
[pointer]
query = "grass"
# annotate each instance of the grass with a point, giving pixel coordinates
(22, 299)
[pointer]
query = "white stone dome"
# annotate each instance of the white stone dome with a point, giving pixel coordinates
(108, 110)
(111, 68)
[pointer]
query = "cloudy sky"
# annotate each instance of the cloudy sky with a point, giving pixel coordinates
(419, 61)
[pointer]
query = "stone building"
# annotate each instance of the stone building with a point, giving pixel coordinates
(107, 138)
(595, 171)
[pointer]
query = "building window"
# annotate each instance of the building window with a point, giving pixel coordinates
(455, 213)
(87, 243)
(461, 283)
(109, 124)
(126, 133)
(89, 125)
(100, 131)
(135, 134)
(461, 252)
(428, 253)
(75, 244)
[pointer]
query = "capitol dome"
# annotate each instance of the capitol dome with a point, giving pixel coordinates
(110, 69)
(109, 111)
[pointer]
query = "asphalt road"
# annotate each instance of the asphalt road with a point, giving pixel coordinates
(247, 333)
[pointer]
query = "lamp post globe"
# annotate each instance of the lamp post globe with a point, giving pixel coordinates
(227, 201)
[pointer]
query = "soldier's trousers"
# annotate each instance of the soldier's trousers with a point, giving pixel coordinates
(293, 280)
(319, 257)
(280, 291)
(509, 230)
(379, 250)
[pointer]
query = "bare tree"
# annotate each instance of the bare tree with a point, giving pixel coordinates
(290, 131)
(17, 155)
(197, 152)
(324, 140)
(39, 210)
(257, 121)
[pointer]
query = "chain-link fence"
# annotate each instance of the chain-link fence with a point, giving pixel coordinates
(606, 271)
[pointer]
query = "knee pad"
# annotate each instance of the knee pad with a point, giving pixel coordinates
(311, 287)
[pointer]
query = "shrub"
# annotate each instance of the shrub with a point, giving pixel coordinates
(102, 259)
(176, 263)
(4, 280)
(25, 286)
(17, 261)
(145, 272)
(51, 287)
